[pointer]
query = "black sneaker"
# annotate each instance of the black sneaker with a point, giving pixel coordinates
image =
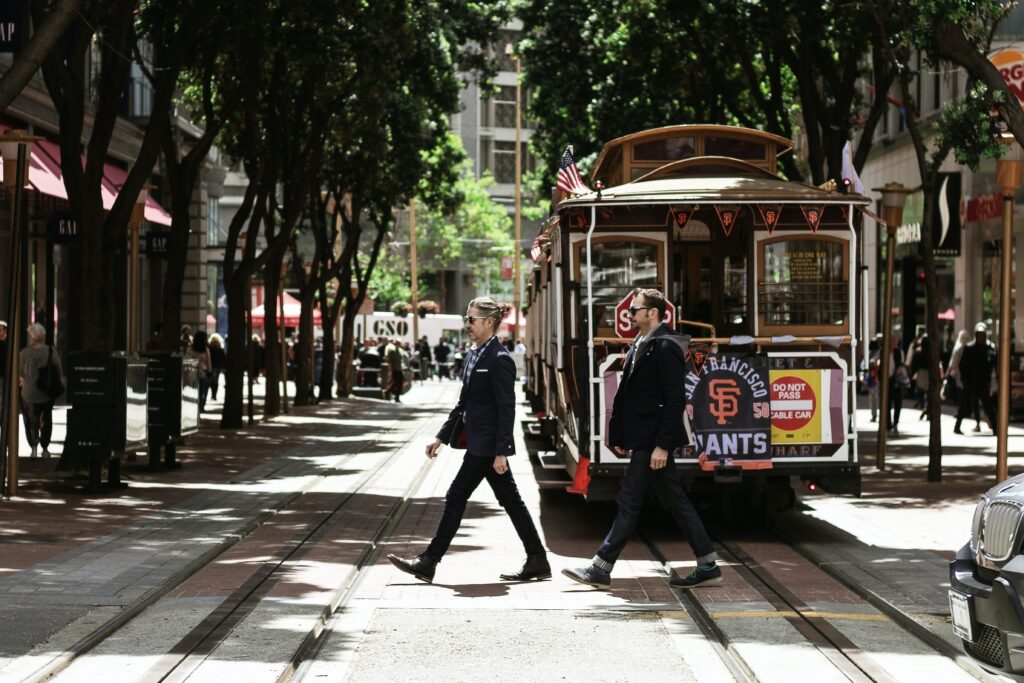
(591, 576)
(699, 577)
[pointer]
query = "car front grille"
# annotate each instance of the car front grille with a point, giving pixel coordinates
(999, 529)
(984, 574)
(987, 646)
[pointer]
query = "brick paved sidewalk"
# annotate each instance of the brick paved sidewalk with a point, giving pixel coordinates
(70, 561)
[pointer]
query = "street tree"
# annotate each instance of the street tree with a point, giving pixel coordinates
(963, 126)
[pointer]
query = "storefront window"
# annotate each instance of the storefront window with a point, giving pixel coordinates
(619, 267)
(804, 283)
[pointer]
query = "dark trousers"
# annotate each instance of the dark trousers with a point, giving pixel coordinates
(38, 418)
(473, 471)
(215, 382)
(895, 403)
(968, 406)
(639, 478)
(397, 380)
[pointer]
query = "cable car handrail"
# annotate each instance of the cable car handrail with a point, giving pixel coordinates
(694, 323)
(837, 340)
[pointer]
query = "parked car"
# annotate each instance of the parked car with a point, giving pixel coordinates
(986, 580)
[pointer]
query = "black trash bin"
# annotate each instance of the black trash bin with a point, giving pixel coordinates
(108, 395)
(173, 403)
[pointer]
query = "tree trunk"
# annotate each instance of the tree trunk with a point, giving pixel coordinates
(931, 290)
(304, 362)
(236, 289)
(330, 319)
(272, 341)
(347, 354)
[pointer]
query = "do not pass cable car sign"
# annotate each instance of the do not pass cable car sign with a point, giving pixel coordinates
(624, 322)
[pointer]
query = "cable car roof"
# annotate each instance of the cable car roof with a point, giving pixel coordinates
(713, 180)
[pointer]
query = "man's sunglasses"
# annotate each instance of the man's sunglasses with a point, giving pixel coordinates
(470, 319)
(633, 309)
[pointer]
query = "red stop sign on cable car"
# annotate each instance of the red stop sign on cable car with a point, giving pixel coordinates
(624, 322)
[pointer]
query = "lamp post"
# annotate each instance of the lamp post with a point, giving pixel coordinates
(517, 256)
(413, 272)
(1008, 177)
(134, 225)
(13, 147)
(894, 196)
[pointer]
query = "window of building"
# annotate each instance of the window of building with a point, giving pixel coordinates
(213, 222)
(499, 110)
(805, 283)
(499, 157)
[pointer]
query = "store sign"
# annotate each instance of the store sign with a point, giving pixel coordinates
(63, 228)
(158, 244)
(947, 212)
(1010, 63)
(984, 208)
(13, 24)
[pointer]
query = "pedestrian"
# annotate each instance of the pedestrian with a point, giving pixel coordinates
(977, 364)
(38, 363)
(871, 375)
(953, 386)
(647, 426)
(919, 371)
(200, 350)
(485, 415)
(441, 353)
(899, 382)
(426, 359)
(258, 358)
(185, 341)
(218, 359)
(395, 361)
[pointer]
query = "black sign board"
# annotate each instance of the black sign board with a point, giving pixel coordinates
(727, 403)
(158, 244)
(63, 228)
(13, 25)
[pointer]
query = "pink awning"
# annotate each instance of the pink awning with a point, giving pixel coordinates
(292, 310)
(46, 160)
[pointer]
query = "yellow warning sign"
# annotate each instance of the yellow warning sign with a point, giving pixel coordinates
(796, 406)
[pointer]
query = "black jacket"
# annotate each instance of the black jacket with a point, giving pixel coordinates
(487, 404)
(649, 404)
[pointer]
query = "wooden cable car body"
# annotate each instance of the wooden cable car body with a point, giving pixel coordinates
(753, 264)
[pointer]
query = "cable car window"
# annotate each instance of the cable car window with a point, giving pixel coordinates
(805, 282)
(619, 267)
(665, 149)
(735, 148)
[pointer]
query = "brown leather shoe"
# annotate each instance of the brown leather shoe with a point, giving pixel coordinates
(421, 566)
(535, 567)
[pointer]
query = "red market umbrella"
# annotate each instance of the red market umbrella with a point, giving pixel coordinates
(292, 309)
(948, 314)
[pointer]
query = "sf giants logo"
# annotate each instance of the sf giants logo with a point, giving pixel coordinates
(724, 395)
(812, 215)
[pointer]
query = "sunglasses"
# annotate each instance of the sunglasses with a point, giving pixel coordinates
(633, 309)
(470, 319)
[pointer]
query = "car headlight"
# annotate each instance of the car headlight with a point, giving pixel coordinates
(979, 514)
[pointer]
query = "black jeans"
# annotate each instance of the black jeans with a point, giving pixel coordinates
(639, 478)
(473, 471)
(38, 418)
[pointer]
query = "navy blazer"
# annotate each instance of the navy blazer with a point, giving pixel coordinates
(651, 398)
(487, 404)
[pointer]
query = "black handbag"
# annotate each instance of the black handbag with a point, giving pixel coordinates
(49, 381)
(458, 438)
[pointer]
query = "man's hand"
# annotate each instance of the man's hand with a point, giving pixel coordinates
(619, 450)
(431, 449)
(659, 457)
(500, 464)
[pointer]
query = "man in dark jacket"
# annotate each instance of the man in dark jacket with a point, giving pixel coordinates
(486, 414)
(647, 425)
(976, 367)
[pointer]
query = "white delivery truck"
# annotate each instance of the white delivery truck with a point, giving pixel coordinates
(433, 326)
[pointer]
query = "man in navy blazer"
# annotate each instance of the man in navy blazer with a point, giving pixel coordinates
(646, 426)
(484, 415)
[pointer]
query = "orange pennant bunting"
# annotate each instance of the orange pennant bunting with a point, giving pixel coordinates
(727, 217)
(813, 216)
(770, 215)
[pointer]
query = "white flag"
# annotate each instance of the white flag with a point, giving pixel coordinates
(849, 172)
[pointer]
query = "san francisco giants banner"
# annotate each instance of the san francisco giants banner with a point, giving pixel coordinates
(727, 406)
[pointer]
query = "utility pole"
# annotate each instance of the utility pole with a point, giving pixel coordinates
(415, 275)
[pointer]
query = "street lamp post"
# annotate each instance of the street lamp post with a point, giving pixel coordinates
(14, 148)
(894, 196)
(413, 272)
(517, 255)
(134, 225)
(1008, 177)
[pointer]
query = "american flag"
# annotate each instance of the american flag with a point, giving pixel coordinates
(569, 176)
